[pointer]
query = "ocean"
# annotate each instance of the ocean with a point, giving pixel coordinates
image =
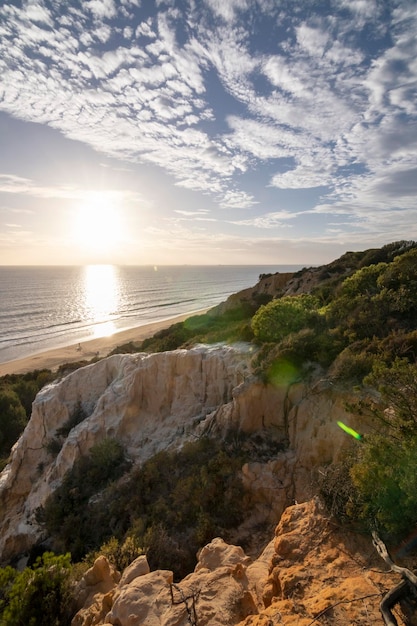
(42, 308)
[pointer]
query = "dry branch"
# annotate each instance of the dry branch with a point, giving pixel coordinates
(407, 587)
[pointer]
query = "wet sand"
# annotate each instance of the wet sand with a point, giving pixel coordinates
(87, 350)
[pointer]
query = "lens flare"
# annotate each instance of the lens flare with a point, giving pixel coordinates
(350, 431)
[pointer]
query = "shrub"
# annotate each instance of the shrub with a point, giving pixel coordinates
(169, 507)
(119, 553)
(385, 473)
(351, 366)
(12, 420)
(37, 595)
(386, 481)
(77, 416)
(277, 319)
(337, 489)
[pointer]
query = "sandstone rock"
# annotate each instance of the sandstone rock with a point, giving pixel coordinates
(217, 590)
(94, 593)
(312, 571)
(318, 569)
(219, 554)
(101, 573)
(139, 567)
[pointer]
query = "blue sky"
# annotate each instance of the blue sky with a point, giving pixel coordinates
(206, 132)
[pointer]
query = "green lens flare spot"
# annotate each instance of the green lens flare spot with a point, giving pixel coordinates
(349, 430)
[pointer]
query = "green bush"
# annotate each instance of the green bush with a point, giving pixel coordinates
(12, 420)
(119, 553)
(232, 326)
(386, 481)
(351, 365)
(37, 595)
(17, 392)
(279, 318)
(385, 472)
(377, 299)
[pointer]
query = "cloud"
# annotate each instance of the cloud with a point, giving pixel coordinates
(304, 176)
(36, 12)
(194, 90)
(23, 186)
(361, 9)
(101, 8)
(227, 10)
(313, 40)
(191, 213)
(236, 200)
(276, 219)
(17, 185)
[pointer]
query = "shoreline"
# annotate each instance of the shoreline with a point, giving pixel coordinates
(87, 350)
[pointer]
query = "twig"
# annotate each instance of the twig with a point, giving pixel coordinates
(191, 610)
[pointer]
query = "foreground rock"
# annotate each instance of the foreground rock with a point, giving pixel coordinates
(312, 570)
(158, 401)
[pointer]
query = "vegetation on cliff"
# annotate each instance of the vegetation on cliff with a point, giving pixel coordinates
(169, 507)
(17, 392)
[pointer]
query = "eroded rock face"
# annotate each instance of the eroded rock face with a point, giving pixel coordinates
(153, 402)
(147, 402)
(318, 570)
(310, 568)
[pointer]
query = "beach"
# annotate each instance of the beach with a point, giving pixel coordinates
(87, 350)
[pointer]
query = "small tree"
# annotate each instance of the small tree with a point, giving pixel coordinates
(277, 319)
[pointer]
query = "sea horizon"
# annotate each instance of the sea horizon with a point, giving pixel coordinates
(44, 307)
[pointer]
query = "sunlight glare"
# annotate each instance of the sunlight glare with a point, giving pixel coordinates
(101, 297)
(98, 224)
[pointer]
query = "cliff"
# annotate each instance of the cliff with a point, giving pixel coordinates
(308, 279)
(158, 401)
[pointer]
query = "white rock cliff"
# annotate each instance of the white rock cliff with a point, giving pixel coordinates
(157, 401)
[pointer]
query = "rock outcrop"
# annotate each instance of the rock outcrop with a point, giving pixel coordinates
(312, 570)
(147, 402)
(158, 401)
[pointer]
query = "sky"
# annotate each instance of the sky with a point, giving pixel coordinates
(206, 131)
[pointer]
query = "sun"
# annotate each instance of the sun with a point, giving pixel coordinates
(98, 222)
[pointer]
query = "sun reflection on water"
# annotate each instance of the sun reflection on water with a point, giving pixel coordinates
(101, 297)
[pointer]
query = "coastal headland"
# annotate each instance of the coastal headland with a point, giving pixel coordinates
(87, 350)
